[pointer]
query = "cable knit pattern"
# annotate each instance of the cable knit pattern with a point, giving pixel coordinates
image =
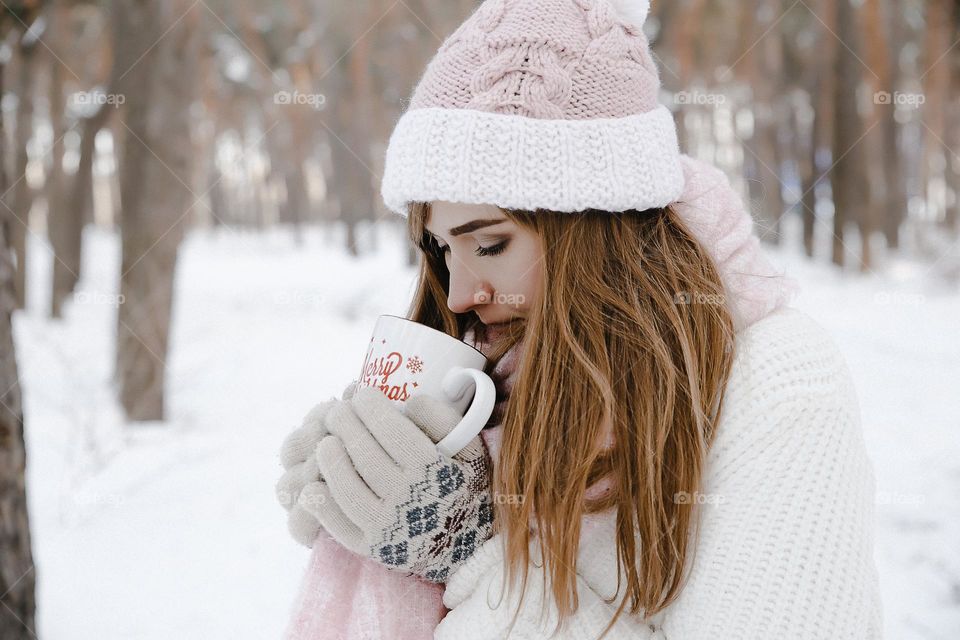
(545, 59)
(538, 104)
(786, 509)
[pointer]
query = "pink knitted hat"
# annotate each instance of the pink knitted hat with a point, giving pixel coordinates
(539, 104)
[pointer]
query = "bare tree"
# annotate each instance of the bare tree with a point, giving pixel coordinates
(63, 228)
(876, 77)
(763, 59)
(936, 83)
(848, 179)
(155, 197)
(894, 165)
(18, 602)
(952, 216)
(75, 211)
(349, 89)
(17, 582)
(23, 195)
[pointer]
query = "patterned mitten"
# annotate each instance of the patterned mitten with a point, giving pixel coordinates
(298, 489)
(392, 497)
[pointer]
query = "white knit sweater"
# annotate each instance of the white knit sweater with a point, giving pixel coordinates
(786, 544)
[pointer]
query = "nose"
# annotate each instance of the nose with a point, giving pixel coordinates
(467, 290)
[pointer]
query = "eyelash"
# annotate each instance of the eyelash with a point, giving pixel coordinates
(493, 250)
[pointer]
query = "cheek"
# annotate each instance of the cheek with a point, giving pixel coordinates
(530, 286)
(519, 273)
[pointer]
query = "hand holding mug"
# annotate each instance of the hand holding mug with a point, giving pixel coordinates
(407, 477)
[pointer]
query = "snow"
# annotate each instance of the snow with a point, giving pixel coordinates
(172, 530)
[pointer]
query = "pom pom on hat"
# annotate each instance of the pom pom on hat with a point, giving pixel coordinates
(631, 12)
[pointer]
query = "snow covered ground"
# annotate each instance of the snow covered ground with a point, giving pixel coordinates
(172, 530)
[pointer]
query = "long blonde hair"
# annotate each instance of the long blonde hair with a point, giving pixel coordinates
(631, 331)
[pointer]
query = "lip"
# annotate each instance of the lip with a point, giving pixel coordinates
(498, 323)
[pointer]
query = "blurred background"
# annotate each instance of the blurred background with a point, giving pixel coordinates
(193, 251)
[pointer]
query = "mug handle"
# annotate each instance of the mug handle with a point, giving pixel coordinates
(455, 383)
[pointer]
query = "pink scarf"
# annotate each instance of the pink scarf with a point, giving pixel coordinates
(343, 595)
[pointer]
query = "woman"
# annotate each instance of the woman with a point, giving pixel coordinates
(676, 453)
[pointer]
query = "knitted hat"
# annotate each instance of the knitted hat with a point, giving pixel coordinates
(539, 104)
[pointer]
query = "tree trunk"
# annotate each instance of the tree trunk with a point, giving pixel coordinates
(951, 218)
(824, 109)
(876, 75)
(62, 226)
(155, 198)
(894, 166)
(848, 179)
(22, 193)
(765, 64)
(936, 81)
(77, 210)
(17, 575)
(688, 24)
(348, 117)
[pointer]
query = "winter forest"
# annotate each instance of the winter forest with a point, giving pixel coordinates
(193, 251)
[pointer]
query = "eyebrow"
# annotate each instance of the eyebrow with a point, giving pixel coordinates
(473, 225)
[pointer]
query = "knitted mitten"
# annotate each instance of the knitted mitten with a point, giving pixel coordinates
(298, 487)
(392, 497)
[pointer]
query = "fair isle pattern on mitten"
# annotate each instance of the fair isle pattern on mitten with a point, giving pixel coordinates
(391, 496)
(467, 516)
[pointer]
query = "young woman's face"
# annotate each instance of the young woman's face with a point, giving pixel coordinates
(494, 263)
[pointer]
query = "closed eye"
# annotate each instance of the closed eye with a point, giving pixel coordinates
(431, 244)
(494, 250)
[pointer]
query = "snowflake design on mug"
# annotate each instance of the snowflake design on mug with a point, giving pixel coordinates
(415, 364)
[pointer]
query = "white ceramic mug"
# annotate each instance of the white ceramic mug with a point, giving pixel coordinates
(405, 358)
